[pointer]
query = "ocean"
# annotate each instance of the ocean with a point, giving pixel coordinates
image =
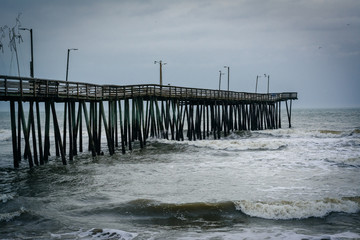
(290, 183)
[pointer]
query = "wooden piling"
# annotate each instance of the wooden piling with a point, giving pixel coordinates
(13, 134)
(32, 123)
(57, 133)
(19, 131)
(39, 133)
(91, 140)
(47, 132)
(288, 110)
(26, 137)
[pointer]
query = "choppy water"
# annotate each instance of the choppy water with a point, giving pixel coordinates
(298, 183)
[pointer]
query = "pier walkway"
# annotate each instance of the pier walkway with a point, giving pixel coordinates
(135, 112)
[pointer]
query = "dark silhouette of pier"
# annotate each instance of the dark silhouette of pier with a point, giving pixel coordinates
(134, 113)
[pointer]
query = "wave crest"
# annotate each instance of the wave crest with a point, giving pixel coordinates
(6, 217)
(285, 210)
(234, 144)
(6, 197)
(297, 209)
(97, 233)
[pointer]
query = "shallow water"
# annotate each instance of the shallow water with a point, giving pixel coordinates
(298, 183)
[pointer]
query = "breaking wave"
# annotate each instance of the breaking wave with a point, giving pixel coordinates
(6, 217)
(96, 233)
(5, 135)
(298, 209)
(234, 144)
(6, 197)
(285, 210)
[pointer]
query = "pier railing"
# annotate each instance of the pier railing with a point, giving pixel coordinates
(34, 88)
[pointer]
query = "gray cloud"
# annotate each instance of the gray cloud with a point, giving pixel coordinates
(311, 46)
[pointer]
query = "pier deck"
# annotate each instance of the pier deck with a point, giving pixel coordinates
(13, 88)
(135, 113)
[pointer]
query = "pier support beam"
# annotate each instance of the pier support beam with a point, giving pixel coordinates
(13, 134)
(288, 110)
(132, 121)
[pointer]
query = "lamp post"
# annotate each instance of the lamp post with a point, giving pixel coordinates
(67, 62)
(257, 79)
(160, 63)
(220, 73)
(228, 73)
(32, 51)
(268, 83)
(65, 107)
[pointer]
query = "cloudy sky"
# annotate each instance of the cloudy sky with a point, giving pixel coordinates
(308, 46)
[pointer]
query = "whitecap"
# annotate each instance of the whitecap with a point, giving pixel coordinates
(97, 233)
(296, 209)
(5, 135)
(6, 197)
(234, 144)
(6, 217)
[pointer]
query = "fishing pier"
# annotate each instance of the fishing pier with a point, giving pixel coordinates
(126, 114)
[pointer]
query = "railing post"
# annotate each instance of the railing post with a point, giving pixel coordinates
(21, 87)
(47, 88)
(95, 93)
(34, 87)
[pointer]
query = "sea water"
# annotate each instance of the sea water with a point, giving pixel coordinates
(291, 183)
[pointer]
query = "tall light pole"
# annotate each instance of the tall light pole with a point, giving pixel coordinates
(32, 51)
(228, 73)
(160, 63)
(257, 79)
(67, 63)
(220, 73)
(268, 83)
(65, 104)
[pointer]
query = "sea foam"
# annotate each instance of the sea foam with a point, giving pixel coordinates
(233, 144)
(6, 197)
(97, 233)
(6, 217)
(296, 209)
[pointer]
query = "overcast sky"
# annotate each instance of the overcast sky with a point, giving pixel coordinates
(308, 46)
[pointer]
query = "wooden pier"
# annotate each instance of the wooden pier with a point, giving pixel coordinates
(133, 113)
